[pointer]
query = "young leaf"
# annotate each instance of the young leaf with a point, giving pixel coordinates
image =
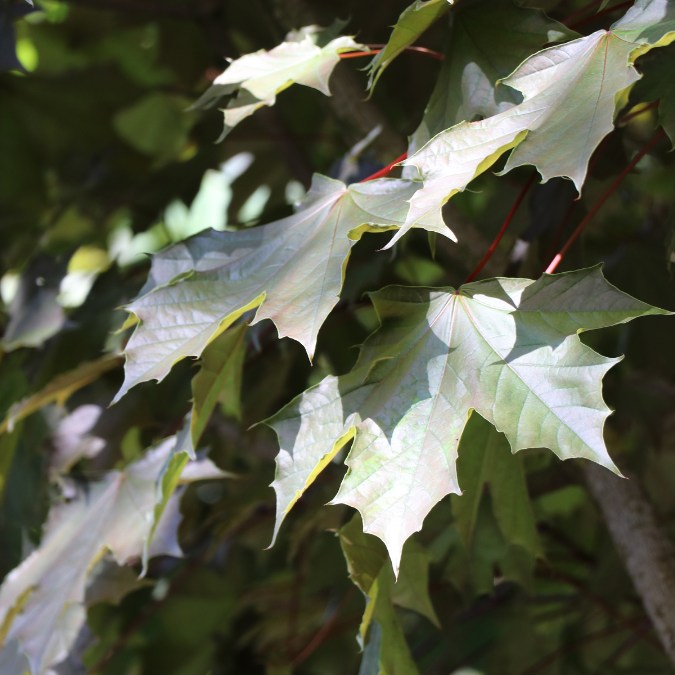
(258, 78)
(480, 52)
(414, 20)
(41, 601)
(506, 348)
(291, 270)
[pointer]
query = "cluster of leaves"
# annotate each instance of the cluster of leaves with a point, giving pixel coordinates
(452, 378)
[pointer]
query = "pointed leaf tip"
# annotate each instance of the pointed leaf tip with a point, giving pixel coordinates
(506, 348)
(289, 271)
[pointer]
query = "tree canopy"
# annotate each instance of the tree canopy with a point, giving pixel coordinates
(302, 305)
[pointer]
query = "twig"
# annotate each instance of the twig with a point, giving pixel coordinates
(376, 49)
(502, 229)
(324, 632)
(599, 15)
(629, 116)
(385, 169)
(347, 101)
(542, 664)
(581, 11)
(605, 196)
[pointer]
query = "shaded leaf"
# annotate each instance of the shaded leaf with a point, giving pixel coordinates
(569, 95)
(291, 270)
(257, 78)
(34, 313)
(218, 379)
(506, 348)
(386, 650)
(657, 83)
(41, 601)
(157, 125)
(111, 583)
(60, 389)
(414, 20)
(485, 461)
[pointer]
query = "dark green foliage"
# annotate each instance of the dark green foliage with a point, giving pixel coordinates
(103, 160)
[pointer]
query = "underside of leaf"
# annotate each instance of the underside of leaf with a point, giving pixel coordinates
(506, 348)
(290, 270)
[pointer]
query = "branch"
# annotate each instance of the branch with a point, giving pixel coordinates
(507, 221)
(653, 141)
(646, 550)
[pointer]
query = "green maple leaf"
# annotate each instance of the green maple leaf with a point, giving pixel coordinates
(291, 270)
(506, 348)
(414, 20)
(480, 53)
(218, 380)
(569, 100)
(42, 602)
(484, 459)
(570, 96)
(257, 78)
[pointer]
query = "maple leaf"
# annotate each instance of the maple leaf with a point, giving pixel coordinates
(650, 23)
(569, 101)
(480, 53)
(291, 270)
(506, 348)
(218, 379)
(485, 459)
(414, 20)
(42, 600)
(257, 78)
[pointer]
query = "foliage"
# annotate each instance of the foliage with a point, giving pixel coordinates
(472, 544)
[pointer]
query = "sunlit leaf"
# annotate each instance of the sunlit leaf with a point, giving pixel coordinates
(651, 23)
(257, 78)
(506, 348)
(290, 270)
(569, 101)
(480, 53)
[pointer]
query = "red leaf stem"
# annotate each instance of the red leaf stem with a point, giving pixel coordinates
(385, 169)
(605, 196)
(503, 228)
(356, 55)
(629, 116)
(376, 49)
